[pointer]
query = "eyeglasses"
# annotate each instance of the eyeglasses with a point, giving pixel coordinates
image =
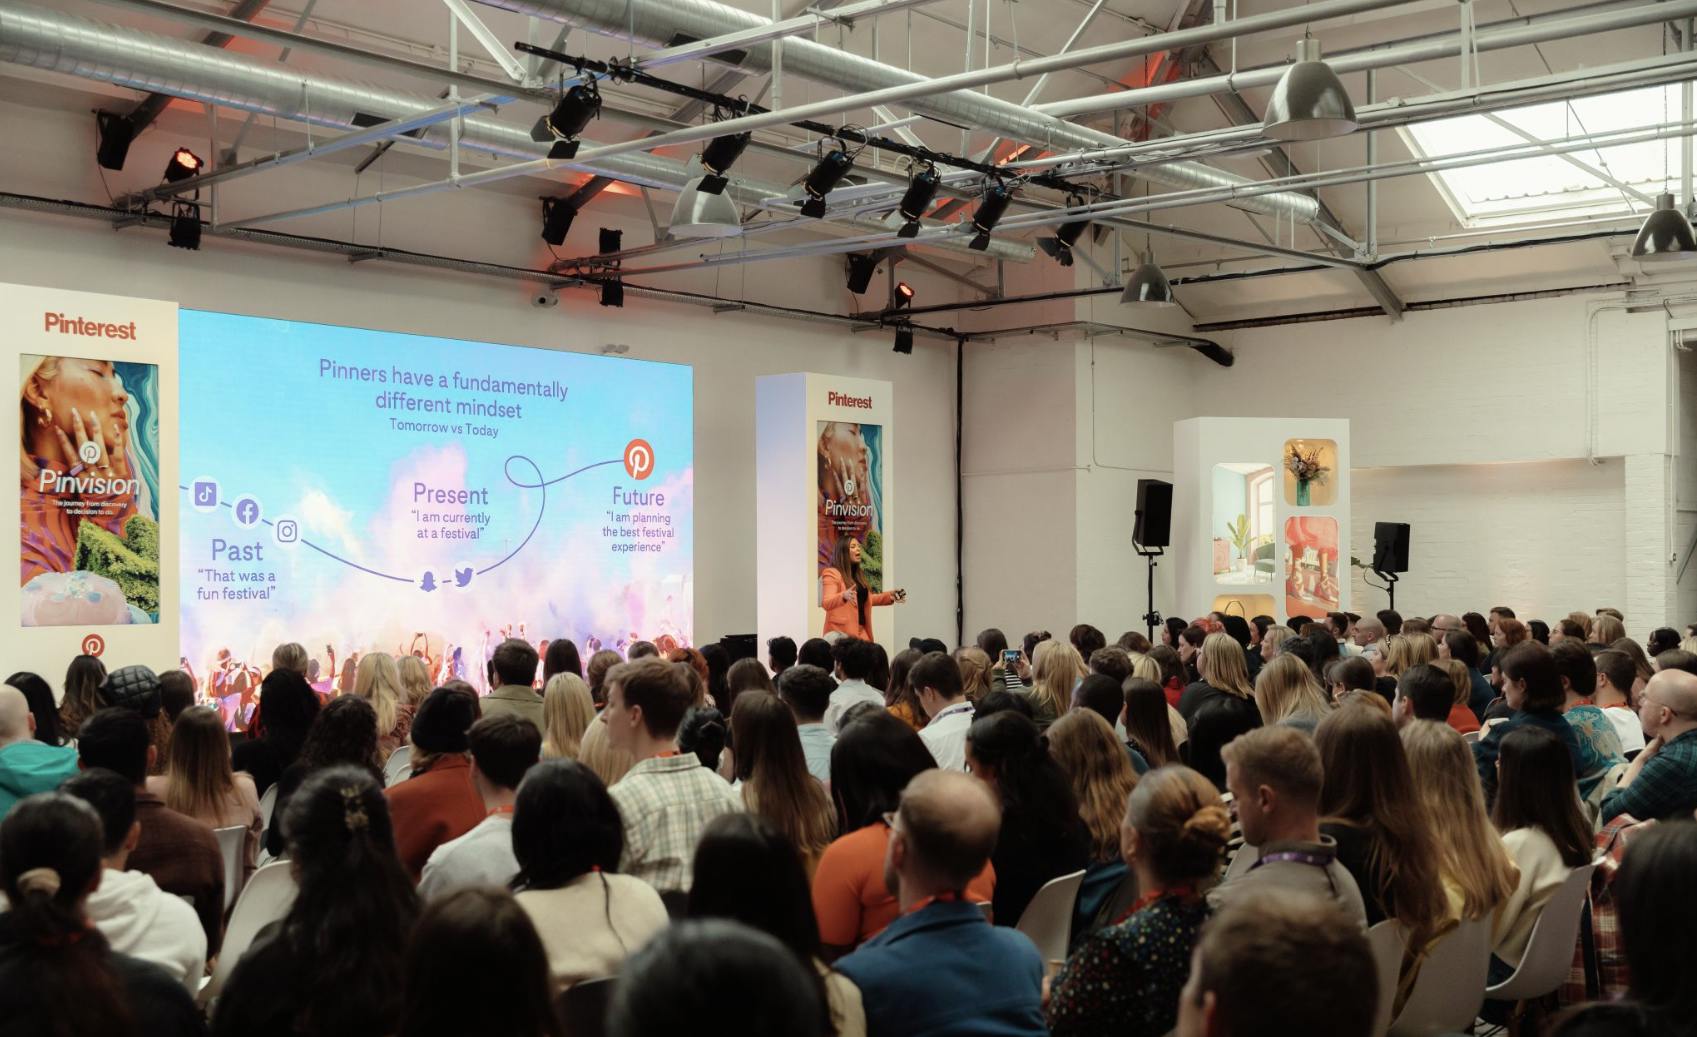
(890, 818)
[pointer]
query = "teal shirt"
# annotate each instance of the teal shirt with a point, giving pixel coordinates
(29, 767)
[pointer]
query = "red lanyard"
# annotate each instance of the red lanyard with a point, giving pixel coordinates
(940, 898)
(1183, 892)
(501, 810)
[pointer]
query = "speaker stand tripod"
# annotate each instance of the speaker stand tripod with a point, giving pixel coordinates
(1389, 587)
(1151, 618)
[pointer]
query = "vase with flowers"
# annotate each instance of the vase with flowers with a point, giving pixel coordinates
(1304, 464)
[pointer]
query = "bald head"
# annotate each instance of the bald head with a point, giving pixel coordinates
(16, 722)
(949, 822)
(1671, 700)
(1368, 630)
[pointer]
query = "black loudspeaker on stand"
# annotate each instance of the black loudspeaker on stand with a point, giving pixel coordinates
(1151, 533)
(1390, 554)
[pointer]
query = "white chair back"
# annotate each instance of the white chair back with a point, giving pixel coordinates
(1048, 918)
(1470, 737)
(399, 767)
(232, 843)
(266, 898)
(1549, 950)
(1450, 988)
(267, 806)
(1387, 942)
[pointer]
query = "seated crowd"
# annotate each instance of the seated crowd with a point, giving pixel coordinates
(833, 841)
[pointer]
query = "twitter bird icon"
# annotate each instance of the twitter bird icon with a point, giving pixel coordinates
(462, 577)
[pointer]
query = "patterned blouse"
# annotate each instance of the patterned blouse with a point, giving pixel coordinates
(1599, 745)
(1126, 979)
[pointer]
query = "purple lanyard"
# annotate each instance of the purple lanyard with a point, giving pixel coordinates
(1295, 856)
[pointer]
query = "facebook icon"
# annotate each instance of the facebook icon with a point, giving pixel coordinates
(247, 512)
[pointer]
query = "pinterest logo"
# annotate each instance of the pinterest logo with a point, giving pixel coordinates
(639, 459)
(93, 644)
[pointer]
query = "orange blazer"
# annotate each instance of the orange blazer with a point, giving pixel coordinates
(841, 615)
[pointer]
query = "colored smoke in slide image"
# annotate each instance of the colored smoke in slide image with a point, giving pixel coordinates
(88, 491)
(851, 495)
(1311, 566)
(361, 491)
(1242, 525)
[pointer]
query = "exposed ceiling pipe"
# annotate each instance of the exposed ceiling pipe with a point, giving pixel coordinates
(1541, 31)
(661, 23)
(57, 41)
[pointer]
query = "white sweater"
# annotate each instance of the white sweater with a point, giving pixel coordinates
(1542, 871)
(141, 920)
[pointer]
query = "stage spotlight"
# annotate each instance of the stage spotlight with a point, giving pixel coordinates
(904, 339)
(185, 226)
(719, 155)
(920, 191)
(574, 111)
(902, 297)
(557, 216)
(994, 203)
(184, 164)
(1059, 247)
(113, 133)
(613, 293)
(861, 266)
(826, 172)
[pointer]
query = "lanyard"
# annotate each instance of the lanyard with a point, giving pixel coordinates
(1317, 860)
(501, 810)
(1184, 892)
(940, 898)
(964, 707)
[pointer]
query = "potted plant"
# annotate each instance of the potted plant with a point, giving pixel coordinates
(1238, 533)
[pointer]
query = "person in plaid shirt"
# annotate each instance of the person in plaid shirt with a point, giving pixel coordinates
(1662, 782)
(666, 799)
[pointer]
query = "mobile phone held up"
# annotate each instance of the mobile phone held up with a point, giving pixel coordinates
(1010, 658)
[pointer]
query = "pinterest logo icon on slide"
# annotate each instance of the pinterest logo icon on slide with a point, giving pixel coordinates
(639, 459)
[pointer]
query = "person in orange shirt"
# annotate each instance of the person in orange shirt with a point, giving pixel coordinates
(845, 595)
(874, 759)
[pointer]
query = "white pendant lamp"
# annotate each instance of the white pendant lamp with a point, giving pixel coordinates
(1666, 234)
(699, 214)
(1310, 102)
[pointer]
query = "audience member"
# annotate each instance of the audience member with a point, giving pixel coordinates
(414, 678)
(1189, 644)
(747, 675)
(58, 976)
(1532, 690)
(1126, 978)
(718, 663)
(176, 693)
(1272, 966)
(1416, 625)
(873, 761)
(1369, 633)
(1356, 674)
(1111, 662)
(27, 766)
(1219, 706)
(1477, 871)
(287, 708)
(1599, 745)
(747, 870)
(816, 651)
(1172, 631)
(1086, 640)
(568, 838)
(1287, 693)
(1661, 782)
(665, 800)
(595, 673)
(641, 650)
(773, 774)
(83, 678)
(1662, 639)
(937, 684)
(478, 942)
(1678, 659)
(567, 712)
(1425, 692)
(1653, 893)
(136, 916)
(1042, 835)
(344, 734)
(1539, 631)
(1461, 646)
(1324, 649)
(704, 734)
(1616, 675)
(716, 976)
(199, 783)
(853, 661)
(39, 694)
(1056, 669)
(597, 753)
(1095, 764)
(1149, 731)
(1606, 629)
(333, 966)
(1645, 669)
(378, 681)
(438, 802)
(900, 697)
(503, 748)
(513, 689)
(780, 655)
(807, 691)
(180, 853)
(1368, 805)
(1543, 829)
(941, 969)
(1461, 716)
(1275, 779)
(136, 688)
(1508, 633)
(1172, 672)
(1133, 641)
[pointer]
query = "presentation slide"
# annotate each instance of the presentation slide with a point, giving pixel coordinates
(361, 491)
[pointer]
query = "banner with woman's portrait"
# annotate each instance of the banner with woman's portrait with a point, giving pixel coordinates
(851, 497)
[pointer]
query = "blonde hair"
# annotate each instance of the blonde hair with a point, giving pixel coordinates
(1607, 629)
(567, 712)
(415, 678)
(1182, 824)
(1053, 673)
(1367, 699)
(1404, 651)
(1473, 858)
(198, 778)
(598, 754)
(974, 672)
(1146, 668)
(1460, 677)
(291, 656)
(1285, 687)
(1101, 775)
(378, 681)
(1223, 666)
(1277, 635)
